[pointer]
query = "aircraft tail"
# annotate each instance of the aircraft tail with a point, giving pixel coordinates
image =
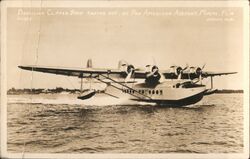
(89, 63)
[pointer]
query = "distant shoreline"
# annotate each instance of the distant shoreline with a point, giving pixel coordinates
(59, 90)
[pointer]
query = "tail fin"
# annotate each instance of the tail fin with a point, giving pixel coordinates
(89, 63)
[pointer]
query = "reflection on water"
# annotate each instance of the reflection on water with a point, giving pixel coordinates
(215, 125)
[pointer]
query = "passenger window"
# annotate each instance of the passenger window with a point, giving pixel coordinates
(161, 92)
(142, 91)
(157, 92)
(149, 91)
(153, 92)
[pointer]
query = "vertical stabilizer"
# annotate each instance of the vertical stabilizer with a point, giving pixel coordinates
(89, 63)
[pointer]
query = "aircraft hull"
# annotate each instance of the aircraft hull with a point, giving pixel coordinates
(163, 94)
(176, 103)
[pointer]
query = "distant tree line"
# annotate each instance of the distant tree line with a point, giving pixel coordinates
(15, 91)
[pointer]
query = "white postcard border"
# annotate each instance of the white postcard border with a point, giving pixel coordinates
(103, 4)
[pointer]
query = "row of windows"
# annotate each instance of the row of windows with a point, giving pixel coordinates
(158, 92)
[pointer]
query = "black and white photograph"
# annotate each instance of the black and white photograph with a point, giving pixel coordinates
(124, 79)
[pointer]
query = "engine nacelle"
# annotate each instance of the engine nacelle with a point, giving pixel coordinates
(195, 70)
(130, 69)
(127, 69)
(152, 74)
(175, 70)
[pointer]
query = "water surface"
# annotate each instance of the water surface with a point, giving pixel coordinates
(62, 124)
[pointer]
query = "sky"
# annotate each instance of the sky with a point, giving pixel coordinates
(68, 37)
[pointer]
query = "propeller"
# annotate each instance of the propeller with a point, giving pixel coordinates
(152, 74)
(152, 70)
(130, 72)
(177, 70)
(198, 72)
(181, 71)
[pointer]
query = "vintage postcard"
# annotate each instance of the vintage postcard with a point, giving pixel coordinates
(124, 79)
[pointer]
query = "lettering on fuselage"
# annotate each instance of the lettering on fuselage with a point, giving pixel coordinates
(143, 91)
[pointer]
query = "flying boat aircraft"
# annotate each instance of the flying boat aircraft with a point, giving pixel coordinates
(176, 86)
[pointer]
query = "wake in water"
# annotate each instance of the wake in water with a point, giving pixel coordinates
(63, 99)
(99, 100)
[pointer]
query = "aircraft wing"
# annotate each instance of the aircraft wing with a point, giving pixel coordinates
(80, 72)
(87, 72)
(209, 74)
(185, 75)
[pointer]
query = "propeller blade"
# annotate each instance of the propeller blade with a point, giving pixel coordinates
(128, 77)
(179, 76)
(203, 66)
(184, 68)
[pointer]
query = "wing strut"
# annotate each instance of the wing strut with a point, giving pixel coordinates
(81, 85)
(212, 82)
(124, 86)
(210, 91)
(111, 95)
(115, 87)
